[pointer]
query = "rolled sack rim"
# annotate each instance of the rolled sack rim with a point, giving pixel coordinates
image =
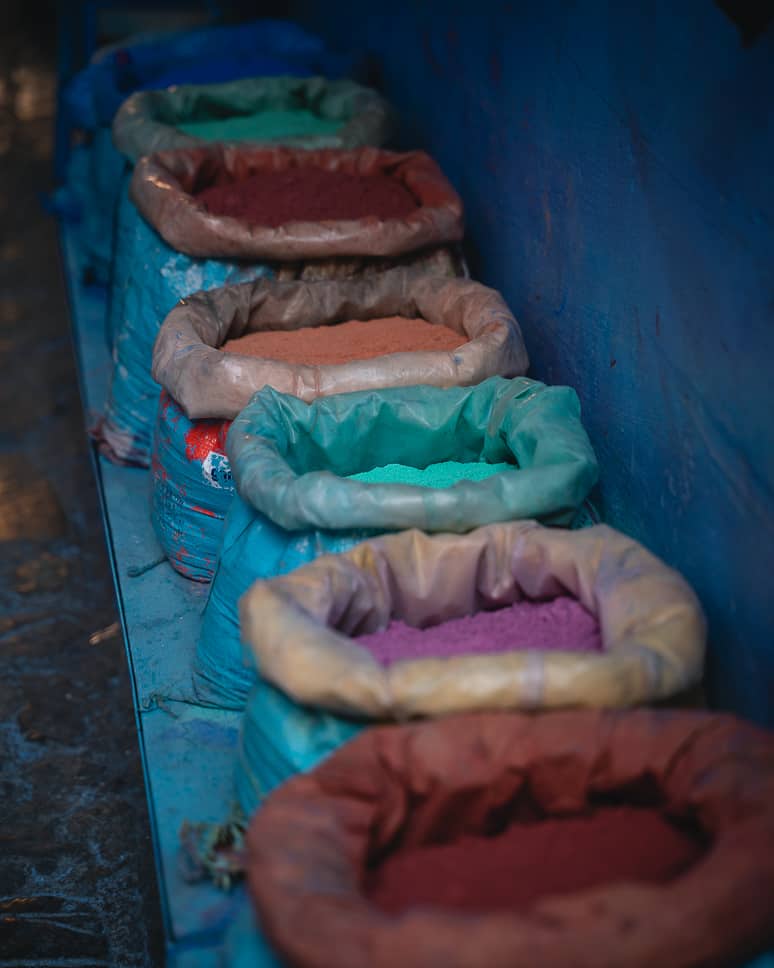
(536, 426)
(162, 183)
(652, 626)
(188, 360)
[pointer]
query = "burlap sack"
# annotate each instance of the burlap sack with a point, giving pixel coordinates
(206, 382)
(397, 787)
(163, 187)
(146, 121)
(300, 625)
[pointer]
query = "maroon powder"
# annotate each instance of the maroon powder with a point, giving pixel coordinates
(560, 624)
(528, 861)
(273, 198)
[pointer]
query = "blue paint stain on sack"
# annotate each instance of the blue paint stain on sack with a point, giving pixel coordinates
(149, 279)
(192, 488)
(290, 462)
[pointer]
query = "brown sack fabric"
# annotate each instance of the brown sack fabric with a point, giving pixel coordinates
(163, 187)
(188, 361)
(394, 789)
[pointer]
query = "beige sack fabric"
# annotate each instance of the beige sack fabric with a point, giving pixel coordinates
(164, 184)
(299, 625)
(147, 121)
(207, 382)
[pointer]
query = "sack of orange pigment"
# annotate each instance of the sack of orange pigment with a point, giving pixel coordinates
(319, 214)
(632, 839)
(319, 477)
(508, 617)
(216, 349)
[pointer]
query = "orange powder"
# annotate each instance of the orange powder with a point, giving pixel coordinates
(355, 340)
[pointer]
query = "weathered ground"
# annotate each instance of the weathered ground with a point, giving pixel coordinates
(77, 884)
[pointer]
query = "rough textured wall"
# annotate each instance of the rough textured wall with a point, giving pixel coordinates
(616, 164)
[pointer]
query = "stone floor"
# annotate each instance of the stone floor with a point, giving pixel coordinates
(77, 884)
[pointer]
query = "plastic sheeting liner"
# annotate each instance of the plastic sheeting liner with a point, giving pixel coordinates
(290, 461)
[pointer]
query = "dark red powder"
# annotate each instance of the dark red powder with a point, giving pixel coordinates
(528, 861)
(310, 195)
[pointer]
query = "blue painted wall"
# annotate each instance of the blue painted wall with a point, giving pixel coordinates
(616, 165)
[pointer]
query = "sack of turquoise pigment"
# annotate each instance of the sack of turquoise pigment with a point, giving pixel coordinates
(307, 112)
(173, 247)
(91, 100)
(511, 616)
(510, 449)
(216, 349)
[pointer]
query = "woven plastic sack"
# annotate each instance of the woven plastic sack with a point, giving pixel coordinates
(300, 628)
(213, 55)
(153, 278)
(147, 121)
(154, 268)
(290, 459)
(396, 789)
(192, 486)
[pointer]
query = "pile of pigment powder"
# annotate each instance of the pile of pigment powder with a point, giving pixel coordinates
(445, 473)
(559, 624)
(343, 342)
(263, 126)
(533, 860)
(307, 194)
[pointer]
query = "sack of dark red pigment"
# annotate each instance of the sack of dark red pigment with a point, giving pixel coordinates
(641, 838)
(210, 56)
(319, 477)
(216, 349)
(510, 616)
(178, 248)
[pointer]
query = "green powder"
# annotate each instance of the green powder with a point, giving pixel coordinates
(445, 474)
(261, 126)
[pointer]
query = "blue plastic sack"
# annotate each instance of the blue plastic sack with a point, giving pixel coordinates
(192, 488)
(290, 459)
(278, 738)
(206, 55)
(149, 279)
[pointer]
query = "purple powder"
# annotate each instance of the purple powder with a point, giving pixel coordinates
(560, 624)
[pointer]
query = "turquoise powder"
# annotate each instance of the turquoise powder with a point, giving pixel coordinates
(261, 126)
(444, 474)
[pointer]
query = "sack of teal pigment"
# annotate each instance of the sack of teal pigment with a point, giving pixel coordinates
(499, 451)
(309, 112)
(216, 55)
(511, 616)
(176, 246)
(216, 349)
